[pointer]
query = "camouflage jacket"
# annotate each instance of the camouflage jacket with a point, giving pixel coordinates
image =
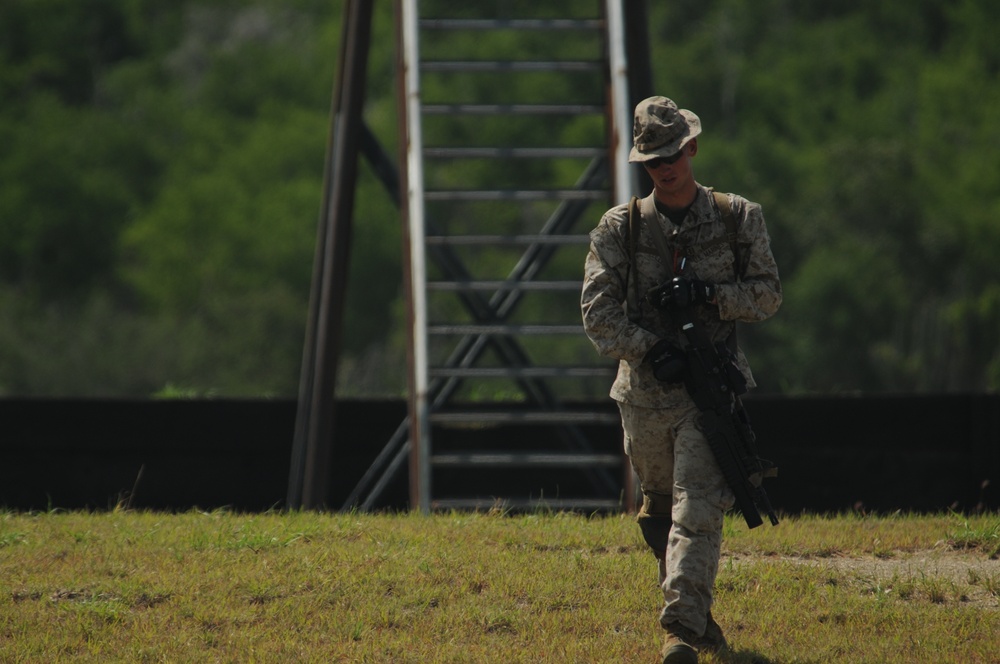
(752, 294)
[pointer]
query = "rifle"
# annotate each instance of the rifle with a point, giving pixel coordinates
(715, 384)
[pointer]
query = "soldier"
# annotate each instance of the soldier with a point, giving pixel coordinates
(728, 274)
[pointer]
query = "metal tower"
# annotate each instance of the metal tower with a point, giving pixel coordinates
(515, 129)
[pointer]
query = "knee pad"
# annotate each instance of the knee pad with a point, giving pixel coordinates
(654, 521)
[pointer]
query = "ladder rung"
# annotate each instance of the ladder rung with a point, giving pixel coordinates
(524, 417)
(522, 372)
(530, 460)
(562, 504)
(493, 286)
(505, 240)
(512, 24)
(515, 66)
(517, 195)
(511, 109)
(505, 330)
(513, 153)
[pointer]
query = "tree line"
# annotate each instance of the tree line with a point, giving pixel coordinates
(161, 177)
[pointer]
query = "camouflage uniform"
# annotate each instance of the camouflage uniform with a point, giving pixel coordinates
(680, 480)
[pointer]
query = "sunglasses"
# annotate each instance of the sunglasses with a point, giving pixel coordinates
(655, 163)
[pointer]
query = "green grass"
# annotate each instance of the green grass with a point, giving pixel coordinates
(306, 587)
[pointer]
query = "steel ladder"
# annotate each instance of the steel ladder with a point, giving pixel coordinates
(513, 131)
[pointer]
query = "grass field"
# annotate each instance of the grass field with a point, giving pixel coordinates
(126, 586)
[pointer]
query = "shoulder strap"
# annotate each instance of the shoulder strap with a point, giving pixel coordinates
(632, 294)
(732, 230)
(639, 211)
(659, 239)
(635, 215)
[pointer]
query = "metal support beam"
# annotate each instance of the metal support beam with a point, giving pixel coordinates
(619, 115)
(412, 186)
(313, 447)
(640, 75)
(314, 424)
(640, 86)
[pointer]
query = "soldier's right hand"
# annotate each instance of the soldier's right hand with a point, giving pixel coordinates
(668, 362)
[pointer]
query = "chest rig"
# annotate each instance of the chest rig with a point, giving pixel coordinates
(639, 209)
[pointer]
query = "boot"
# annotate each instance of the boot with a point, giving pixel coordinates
(713, 639)
(677, 645)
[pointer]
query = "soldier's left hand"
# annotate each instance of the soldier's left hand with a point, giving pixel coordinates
(692, 291)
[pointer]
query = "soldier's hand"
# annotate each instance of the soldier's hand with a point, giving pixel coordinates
(691, 291)
(668, 361)
(661, 297)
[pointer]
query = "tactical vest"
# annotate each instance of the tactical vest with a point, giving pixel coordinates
(636, 213)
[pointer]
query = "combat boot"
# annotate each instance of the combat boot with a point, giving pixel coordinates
(713, 639)
(678, 645)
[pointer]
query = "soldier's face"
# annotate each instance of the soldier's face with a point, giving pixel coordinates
(673, 175)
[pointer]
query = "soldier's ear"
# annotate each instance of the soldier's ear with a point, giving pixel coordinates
(692, 147)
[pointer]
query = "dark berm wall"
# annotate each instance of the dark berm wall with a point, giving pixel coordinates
(919, 453)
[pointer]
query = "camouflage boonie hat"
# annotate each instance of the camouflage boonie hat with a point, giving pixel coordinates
(661, 129)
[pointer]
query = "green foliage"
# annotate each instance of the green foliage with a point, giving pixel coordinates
(162, 166)
(863, 130)
(67, 186)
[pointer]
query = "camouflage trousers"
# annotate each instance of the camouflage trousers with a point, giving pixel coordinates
(680, 479)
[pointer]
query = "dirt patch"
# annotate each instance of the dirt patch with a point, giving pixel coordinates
(938, 575)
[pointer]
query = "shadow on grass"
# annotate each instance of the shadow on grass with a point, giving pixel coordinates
(744, 657)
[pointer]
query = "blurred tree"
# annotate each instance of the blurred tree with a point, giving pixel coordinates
(161, 167)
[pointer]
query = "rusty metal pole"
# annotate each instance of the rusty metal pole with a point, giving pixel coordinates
(640, 85)
(314, 426)
(411, 195)
(640, 73)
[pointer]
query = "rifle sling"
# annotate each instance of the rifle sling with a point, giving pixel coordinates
(649, 216)
(659, 239)
(632, 296)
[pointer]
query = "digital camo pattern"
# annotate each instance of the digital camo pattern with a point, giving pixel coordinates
(701, 240)
(677, 471)
(672, 458)
(660, 129)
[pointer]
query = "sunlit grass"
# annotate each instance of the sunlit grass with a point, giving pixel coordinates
(152, 587)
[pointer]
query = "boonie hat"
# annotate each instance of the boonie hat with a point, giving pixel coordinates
(661, 129)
